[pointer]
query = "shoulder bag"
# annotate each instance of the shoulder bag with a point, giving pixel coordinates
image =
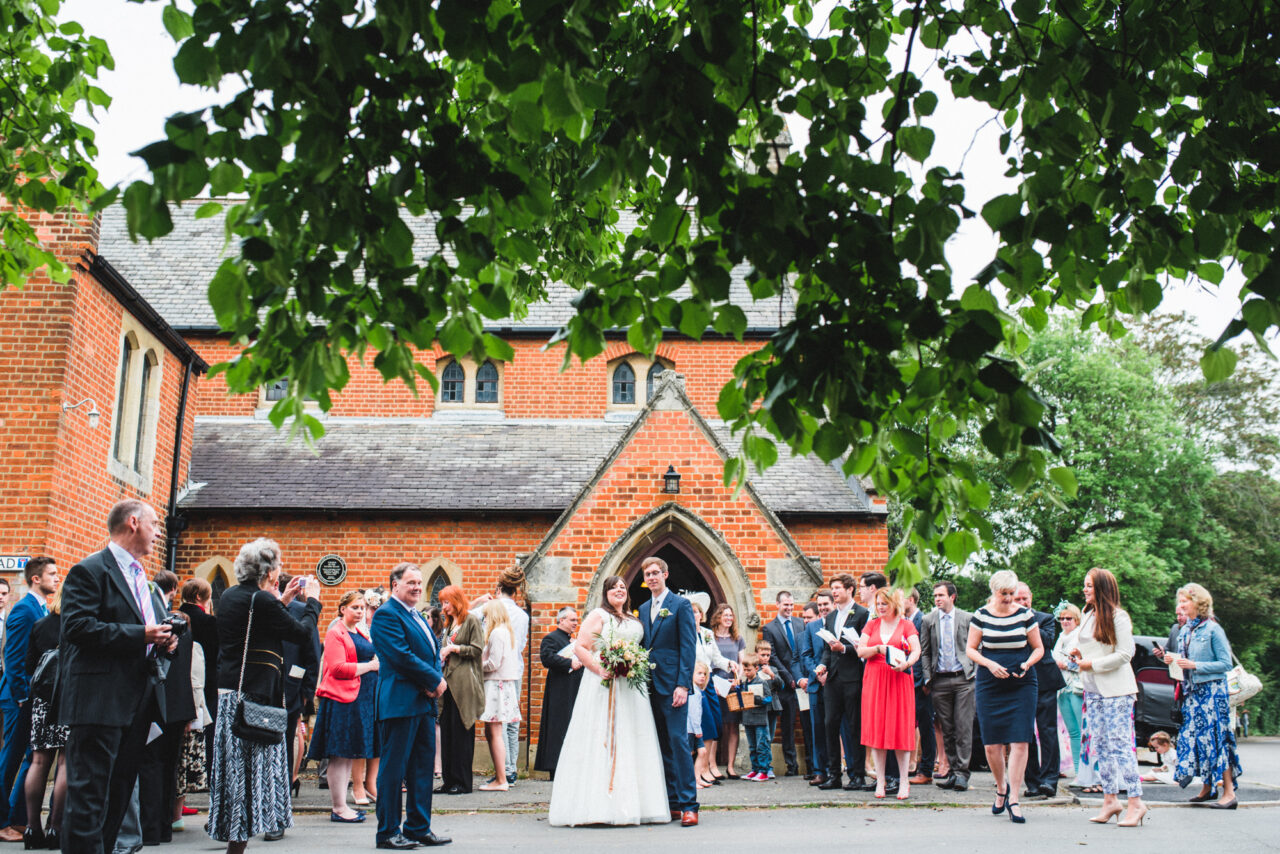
(257, 722)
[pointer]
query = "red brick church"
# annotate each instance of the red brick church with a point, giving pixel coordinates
(576, 475)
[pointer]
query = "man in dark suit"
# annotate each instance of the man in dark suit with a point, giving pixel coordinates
(41, 574)
(948, 677)
(783, 632)
(1044, 758)
(841, 676)
(811, 647)
(559, 691)
(409, 682)
(671, 636)
(111, 633)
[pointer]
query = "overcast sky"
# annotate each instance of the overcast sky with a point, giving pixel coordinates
(145, 90)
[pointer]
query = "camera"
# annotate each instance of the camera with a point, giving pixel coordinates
(177, 624)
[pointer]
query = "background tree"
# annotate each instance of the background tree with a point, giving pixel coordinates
(1140, 134)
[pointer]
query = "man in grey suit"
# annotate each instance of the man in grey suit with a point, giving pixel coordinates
(948, 679)
(785, 631)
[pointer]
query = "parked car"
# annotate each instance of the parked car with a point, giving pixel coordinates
(1155, 708)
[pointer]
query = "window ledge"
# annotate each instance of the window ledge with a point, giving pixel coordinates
(456, 412)
(121, 472)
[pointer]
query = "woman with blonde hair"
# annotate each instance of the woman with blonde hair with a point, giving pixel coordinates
(1103, 651)
(344, 730)
(1004, 641)
(1206, 743)
(502, 671)
(1071, 696)
(463, 700)
(890, 646)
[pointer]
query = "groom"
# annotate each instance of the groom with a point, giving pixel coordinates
(670, 635)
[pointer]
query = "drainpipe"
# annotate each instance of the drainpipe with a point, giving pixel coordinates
(174, 524)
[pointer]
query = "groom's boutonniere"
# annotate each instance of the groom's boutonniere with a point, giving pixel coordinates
(664, 613)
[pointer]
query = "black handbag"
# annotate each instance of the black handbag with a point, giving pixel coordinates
(260, 723)
(44, 681)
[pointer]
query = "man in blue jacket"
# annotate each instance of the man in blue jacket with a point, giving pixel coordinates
(41, 575)
(409, 681)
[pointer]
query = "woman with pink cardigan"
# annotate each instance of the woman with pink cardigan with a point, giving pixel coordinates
(345, 718)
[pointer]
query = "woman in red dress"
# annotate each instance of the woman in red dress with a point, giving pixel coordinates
(888, 692)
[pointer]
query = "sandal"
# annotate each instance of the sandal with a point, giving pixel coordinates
(1092, 790)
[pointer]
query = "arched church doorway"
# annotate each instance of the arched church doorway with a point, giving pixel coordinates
(687, 572)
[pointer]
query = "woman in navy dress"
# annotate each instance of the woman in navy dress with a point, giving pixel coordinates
(345, 718)
(1004, 641)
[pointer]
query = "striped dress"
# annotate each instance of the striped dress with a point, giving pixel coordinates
(1006, 707)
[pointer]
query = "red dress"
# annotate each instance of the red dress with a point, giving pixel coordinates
(889, 697)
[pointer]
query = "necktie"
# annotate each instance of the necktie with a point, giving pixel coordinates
(141, 596)
(654, 608)
(948, 641)
(422, 624)
(791, 639)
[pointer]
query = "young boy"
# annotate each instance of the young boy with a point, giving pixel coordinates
(756, 718)
(768, 670)
(701, 675)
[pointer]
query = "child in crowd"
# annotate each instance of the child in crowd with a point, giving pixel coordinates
(1162, 744)
(701, 673)
(768, 670)
(756, 718)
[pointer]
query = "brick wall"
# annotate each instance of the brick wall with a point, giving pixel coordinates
(61, 344)
(532, 385)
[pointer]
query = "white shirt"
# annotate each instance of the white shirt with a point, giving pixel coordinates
(656, 605)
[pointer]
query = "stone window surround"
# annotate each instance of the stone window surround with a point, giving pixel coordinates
(469, 368)
(131, 458)
(640, 366)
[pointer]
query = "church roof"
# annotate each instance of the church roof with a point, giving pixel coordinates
(173, 273)
(426, 465)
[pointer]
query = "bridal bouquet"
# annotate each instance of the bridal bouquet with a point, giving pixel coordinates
(624, 659)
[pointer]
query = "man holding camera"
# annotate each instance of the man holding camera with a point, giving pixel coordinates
(111, 632)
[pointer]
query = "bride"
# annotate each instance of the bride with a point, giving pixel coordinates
(610, 769)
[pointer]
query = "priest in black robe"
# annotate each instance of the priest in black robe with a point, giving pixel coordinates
(560, 692)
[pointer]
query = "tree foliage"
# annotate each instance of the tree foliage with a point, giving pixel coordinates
(47, 69)
(1141, 136)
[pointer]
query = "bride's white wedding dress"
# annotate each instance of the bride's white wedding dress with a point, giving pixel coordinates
(610, 774)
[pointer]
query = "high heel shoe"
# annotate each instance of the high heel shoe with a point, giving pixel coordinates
(52, 840)
(295, 787)
(1016, 819)
(33, 837)
(1134, 821)
(1106, 814)
(1004, 796)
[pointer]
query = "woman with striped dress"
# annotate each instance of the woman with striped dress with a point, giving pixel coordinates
(1004, 641)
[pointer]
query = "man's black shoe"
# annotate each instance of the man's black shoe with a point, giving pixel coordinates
(947, 782)
(962, 783)
(1034, 794)
(1049, 791)
(399, 842)
(792, 772)
(273, 836)
(431, 838)
(892, 785)
(455, 789)
(817, 779)
(829, 784)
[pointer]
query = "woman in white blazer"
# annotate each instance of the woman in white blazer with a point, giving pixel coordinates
(1103, 651)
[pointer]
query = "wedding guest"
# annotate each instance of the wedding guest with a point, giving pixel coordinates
(237, 815)
(923, 773)
(301, 668)
(193, 775)
(1071, 696)
(559, 691)
(708, 652)
(345, 719)
(1161, 744)
(811, 647)
(890, 647)
(756, 718)
(841, 676)
(502, 669)
(949, 679)
(48, 738)
(732, 648)
(197, 604)
(463, 700)
(770, 667)
(510, 582)
(1206, 743)
(1044, 756)
(1004, 641)
(1103, 652)
(783, 632)
(697, 738)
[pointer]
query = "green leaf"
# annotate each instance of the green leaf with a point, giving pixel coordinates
(1001, 211)
(208, 209)
(916, 142)
(1065, 478)
(1217, 364)
(177, 22)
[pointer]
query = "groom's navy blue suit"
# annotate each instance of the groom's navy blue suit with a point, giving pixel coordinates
(670, 640)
